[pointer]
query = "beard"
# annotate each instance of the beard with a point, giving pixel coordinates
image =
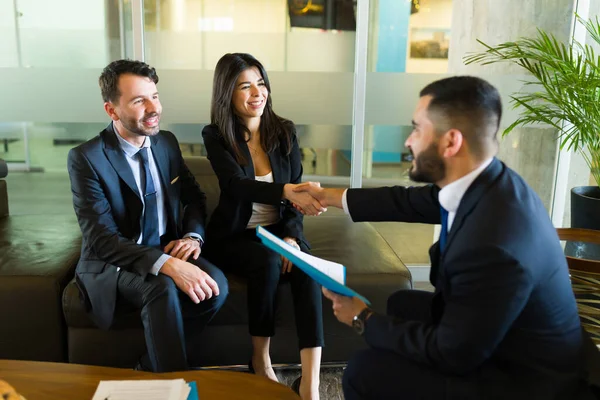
(428, 166)
(137, 126)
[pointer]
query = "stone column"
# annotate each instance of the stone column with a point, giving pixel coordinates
(530, 151)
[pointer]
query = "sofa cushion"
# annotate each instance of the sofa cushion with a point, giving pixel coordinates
(371, 266)
(38, 255)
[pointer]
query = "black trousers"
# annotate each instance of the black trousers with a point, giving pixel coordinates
(247, 257)
(381, 374)
(169, 316)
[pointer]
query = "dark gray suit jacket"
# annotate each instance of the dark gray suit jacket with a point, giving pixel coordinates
(109, 210)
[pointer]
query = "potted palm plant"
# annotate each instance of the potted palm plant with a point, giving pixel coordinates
(564, 83)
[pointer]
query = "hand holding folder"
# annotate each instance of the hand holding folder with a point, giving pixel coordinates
(328, 274)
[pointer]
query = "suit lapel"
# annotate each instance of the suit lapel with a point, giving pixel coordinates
(472, 197)
(161, 159)
(117, 158)
(249, 167)
(275, 165)
(163, 164)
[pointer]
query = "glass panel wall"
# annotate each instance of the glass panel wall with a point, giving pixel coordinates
(51, 55)
(307, 50)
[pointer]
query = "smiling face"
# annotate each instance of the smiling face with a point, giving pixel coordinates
(249, 95)
(138, 110)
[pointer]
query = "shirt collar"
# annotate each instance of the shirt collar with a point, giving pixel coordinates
(129, 149)
(451, 195)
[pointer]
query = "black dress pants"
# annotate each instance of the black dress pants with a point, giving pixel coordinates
(169, 316)
(383, 374)
(247, 257)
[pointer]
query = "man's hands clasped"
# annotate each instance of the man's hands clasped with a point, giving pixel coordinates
(190, 279)
(184, 248)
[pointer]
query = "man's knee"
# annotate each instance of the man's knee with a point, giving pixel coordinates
(355, 373)
(159, 285)
(220, 279)
(223, 285)
(396, 299)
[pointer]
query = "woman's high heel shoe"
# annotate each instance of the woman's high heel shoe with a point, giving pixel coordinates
(250, 367)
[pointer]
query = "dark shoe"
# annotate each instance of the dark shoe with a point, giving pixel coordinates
(250, 367)
(296, 385)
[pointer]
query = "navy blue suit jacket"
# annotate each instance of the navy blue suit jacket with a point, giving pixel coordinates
(109, 210)
(503, 309)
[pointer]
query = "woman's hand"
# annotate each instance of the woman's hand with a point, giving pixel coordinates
(286, 265)
(303, 200)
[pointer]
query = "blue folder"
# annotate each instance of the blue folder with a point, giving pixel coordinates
(281, 247)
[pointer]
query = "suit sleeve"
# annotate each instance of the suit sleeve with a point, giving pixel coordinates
(397, 203)
(193, 199)
(231, 176)
(489, 291)
(97, 225)
(292, 218)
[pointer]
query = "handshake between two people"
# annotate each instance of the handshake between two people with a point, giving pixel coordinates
(311, 199)
(306, 197)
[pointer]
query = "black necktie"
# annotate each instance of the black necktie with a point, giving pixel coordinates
(150, 236)
(444, 232)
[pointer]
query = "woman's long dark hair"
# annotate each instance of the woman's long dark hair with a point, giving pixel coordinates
(273, 129)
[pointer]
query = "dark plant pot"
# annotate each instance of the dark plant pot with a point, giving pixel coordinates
(585, 213)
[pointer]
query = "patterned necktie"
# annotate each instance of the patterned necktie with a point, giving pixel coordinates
(150, 235)
(444, 232)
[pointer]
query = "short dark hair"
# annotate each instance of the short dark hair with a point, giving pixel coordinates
(109, 79)
(469, 104)
(274, 129)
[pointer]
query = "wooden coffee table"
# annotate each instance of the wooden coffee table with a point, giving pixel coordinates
(53, 381)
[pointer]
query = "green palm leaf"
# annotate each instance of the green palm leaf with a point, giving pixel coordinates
(563, 87)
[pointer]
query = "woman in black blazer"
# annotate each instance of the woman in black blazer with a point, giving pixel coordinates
(257, 160)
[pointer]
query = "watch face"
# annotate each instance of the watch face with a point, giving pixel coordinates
(358, 325)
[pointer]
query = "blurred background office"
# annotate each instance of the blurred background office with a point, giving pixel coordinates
(347, 73)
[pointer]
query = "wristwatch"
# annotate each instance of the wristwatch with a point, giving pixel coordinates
(358, 322)
(197, 239)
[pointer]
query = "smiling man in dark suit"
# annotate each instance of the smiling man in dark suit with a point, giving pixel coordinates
(503, 322)
(142, 216)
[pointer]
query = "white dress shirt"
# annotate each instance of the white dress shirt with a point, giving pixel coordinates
(451, 194)
(263, 214)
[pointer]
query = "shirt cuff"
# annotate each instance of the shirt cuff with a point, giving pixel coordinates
(195, 236)
(159, 263)
(345, 202)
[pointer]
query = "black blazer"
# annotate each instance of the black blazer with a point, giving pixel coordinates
(239, 189)
(109, 211)
(503, 308)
